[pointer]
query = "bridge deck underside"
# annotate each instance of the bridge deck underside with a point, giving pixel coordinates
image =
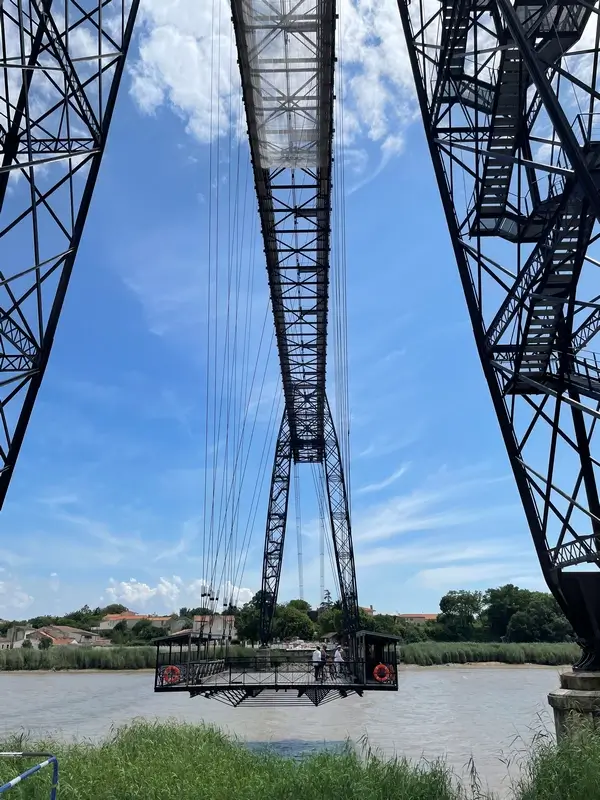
(286, 57)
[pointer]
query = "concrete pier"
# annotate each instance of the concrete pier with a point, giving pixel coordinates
(577, 699)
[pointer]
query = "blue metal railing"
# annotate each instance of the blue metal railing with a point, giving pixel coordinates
(49, 760)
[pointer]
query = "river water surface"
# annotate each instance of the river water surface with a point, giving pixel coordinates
(487, 712)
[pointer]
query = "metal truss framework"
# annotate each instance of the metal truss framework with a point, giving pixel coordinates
(508, 95)
(339, 516)
(62, 62)
(286, 56)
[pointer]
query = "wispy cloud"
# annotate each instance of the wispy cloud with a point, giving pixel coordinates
(455, 577)
(189, 536)
(388, 444)
(377, 487)
(429, 509)
(435, 552)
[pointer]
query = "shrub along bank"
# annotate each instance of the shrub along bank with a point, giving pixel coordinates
(424, 654)
(427, 654)
(184, 762)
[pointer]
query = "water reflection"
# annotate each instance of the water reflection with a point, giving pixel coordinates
(297, 748)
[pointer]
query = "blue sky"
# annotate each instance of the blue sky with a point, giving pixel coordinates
(106, 503)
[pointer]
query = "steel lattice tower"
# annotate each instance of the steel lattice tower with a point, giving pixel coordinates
(62, 63)
(509, 98)
(286, 58)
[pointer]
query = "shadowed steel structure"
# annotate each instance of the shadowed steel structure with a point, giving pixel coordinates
(62, 63)
(286, 58)
(509, 99)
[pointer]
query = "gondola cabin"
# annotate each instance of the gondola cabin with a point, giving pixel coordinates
(196, 663)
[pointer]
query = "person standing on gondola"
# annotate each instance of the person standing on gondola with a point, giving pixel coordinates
(338, 660)
(317, 662)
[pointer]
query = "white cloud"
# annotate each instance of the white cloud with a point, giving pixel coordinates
(187, 61)
(376, 487)
(13, 598)
(169, 593)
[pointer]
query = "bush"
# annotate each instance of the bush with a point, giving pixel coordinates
(424, 654)
(427, 654)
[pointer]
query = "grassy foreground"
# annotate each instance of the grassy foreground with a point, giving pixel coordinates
(424, 654)
(169, 761)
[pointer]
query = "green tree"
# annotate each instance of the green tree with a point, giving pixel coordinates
(410, 632)
(500, 605)
(43, 621)
(330, 621)
(27, 645)
(120, 634)
(301, 605)
(144, 631)
(460, 610)
(247, 623)
(385, 623)
(114, 608)
(200, 611)
(541, 621)
(45, 643)
(290, 623)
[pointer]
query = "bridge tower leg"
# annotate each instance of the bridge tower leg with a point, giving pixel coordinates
(62, 62)
(517, 166)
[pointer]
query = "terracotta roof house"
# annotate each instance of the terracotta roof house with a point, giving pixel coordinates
(419, 619)
(130, 618)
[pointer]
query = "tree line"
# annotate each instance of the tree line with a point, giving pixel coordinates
(506, 613)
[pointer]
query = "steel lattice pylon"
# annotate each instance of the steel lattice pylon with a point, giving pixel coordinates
(508, 95)
(62, 63)
(286, 53)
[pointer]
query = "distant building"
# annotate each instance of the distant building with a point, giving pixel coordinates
(4, 644)
(78, 635)
(219, 627)
(58, 634)
(40, 634)
(368, 610)
(108, 622)
(17, 634)
(418, 619)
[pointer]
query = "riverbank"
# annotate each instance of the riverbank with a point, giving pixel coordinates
(423, 654)
(428, 654)
(180, 762)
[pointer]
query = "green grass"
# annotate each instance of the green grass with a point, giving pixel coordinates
(185, 762)
(171, 761)
(568, 772)
(427, 654)
(424, 654)
(118, 658)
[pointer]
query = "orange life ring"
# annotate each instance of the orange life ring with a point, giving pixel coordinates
(171, 674)
(381, 673)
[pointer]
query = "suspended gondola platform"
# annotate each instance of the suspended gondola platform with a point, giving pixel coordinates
(184, 664)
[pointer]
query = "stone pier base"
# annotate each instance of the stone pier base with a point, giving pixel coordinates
(577, 699)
